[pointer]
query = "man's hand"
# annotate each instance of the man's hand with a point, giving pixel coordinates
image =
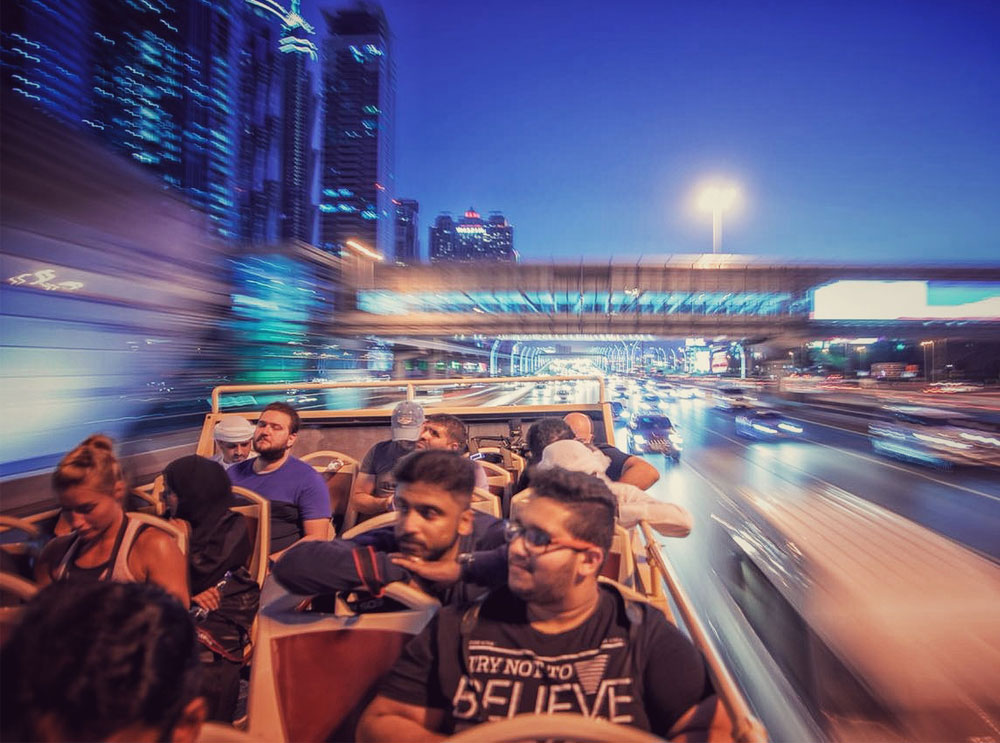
(209, 599)
(443, 572)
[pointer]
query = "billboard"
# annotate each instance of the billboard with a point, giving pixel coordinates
(907, 300)
(720, 362)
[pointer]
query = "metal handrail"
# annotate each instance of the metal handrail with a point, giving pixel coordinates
(746, 727)
(410, 385)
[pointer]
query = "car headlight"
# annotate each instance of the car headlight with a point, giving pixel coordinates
(790, 427)
(764, 429)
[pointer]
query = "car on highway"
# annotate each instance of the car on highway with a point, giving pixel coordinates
(935, 436)
(766, 424)
(618, 410)
(648, 433)
(732, 398)
(836, 591)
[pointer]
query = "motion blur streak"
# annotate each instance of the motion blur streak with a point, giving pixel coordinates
(110, 290)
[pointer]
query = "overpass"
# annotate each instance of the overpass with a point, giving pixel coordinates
(695, 295)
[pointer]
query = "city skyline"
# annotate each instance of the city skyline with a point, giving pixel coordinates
(857, 132)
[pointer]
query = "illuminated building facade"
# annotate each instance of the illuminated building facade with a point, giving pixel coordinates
(258, 189)
(407, 231)
(357, 176)
(153, 80)
(472, 238)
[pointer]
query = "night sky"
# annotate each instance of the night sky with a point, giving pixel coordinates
(859, 130)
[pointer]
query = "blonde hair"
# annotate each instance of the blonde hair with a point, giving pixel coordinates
(93, 461)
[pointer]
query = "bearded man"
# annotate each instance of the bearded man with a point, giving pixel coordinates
(300, 504)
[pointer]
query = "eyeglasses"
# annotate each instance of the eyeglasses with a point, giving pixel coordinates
(538, 541)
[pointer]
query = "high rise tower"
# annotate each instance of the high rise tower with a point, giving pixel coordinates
(357, 177)
(407, 231)
(472, 238)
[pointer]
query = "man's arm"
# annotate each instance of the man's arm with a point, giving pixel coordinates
(314, 530)
(310, 567)
(363, 496)
(637, 471)
(388, 720)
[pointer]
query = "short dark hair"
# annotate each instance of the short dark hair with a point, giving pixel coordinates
(96, 658)
(447, 470)
(457, 431)
(284, 407)
(545, 431)
(591, 504)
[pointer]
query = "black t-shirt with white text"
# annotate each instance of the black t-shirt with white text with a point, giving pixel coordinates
(508, 668)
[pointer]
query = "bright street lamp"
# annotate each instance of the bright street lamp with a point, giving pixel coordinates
(716, 199)
(364, 250)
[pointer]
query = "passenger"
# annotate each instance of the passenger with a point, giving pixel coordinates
(101, 661)
(199, 492)
(300, 504)
(106, 544)
(233, 440)
(634, 504)
(374, 486)
(626, 468)
(443, 431)
(552, 640)
(541, 433)
(450, 551)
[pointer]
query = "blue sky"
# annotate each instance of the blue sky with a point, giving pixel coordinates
(857, 130)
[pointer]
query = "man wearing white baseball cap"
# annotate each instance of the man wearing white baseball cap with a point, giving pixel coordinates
(233, 440)
(375, 485)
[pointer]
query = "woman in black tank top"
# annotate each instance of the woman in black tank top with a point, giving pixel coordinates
(91, 490)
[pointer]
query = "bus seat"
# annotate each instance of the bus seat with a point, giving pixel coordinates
(487, 502)
(498, 479)
(257, 515)
(340, 471)
(375, 522)
(151, 496)
(180, 535)
(633, 595)
(517, 462)
(620, 565)
(21, 545)
(14, 591)
(322, 677)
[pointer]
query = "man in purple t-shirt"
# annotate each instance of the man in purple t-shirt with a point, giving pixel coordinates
(300, 504)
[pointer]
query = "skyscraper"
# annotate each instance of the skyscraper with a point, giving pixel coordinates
(472, 238)
(298, 158)
(358, 177)
(407, 231)
(258, 197)
(153, 80)
(277, 112)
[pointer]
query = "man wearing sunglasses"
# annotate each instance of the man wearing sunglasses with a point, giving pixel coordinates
(553, 640)
(437, 540)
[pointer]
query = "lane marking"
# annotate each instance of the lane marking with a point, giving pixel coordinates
(867, 459)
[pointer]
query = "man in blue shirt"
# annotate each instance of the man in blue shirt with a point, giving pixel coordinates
(300, 504)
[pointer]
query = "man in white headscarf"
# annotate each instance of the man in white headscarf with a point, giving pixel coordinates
(634, 504)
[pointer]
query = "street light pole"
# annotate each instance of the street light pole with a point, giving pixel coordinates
(717, 199)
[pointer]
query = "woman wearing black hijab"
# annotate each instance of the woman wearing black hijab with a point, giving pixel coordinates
(224, 597)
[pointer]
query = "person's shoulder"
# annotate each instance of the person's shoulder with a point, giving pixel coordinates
(155, 542)
(611, 450)
(241, 470)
